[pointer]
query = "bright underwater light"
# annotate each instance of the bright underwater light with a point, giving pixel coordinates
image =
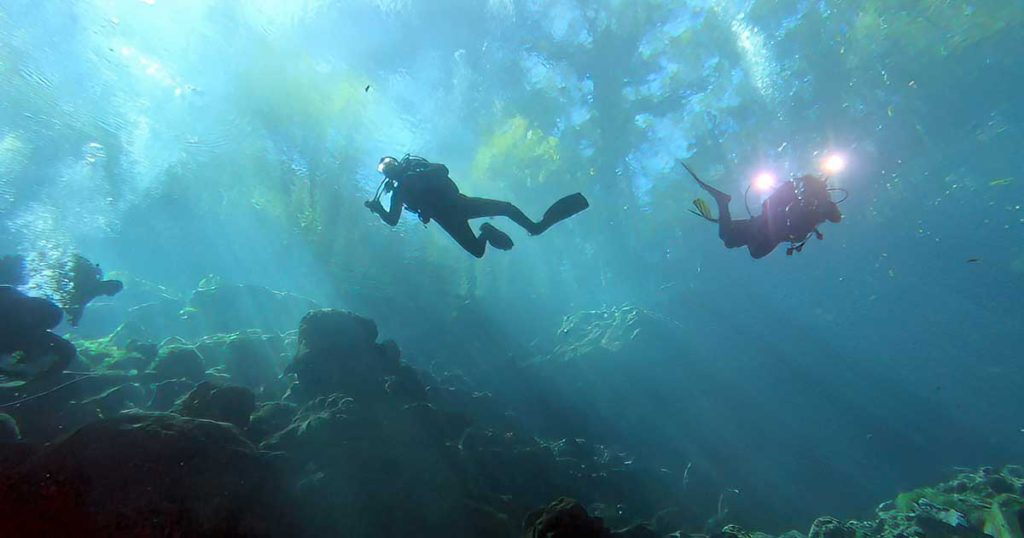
(833, 164)
(764, 181)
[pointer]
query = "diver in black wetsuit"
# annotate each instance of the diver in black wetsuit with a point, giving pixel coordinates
(86, 284)
(792, 213)
(425, 189)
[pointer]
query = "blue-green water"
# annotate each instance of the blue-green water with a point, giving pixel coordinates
(173, 140)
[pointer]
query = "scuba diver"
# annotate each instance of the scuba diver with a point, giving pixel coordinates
(425, 189)
(86, 284)
(791, 213)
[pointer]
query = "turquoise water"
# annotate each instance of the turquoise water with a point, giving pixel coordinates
(169, 141)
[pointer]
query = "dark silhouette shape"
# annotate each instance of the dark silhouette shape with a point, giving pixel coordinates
(25, 336)
(792, 213)
(426, 189)
(87, 284)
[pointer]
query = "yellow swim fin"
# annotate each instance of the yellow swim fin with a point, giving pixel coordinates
(703, 211)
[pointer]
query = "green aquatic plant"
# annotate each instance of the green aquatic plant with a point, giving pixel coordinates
(1005, 518)
(518, 153)
(927, 31)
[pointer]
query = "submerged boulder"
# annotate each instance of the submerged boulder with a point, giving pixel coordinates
(338, 353)
(380, 468)
(252, 359)
(146, 475)
(564, 518)
(9, 431)
(179, 362)
(233, 404)
(28, 350)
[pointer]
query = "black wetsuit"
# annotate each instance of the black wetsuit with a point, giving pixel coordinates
(785, 216)
(426, 189)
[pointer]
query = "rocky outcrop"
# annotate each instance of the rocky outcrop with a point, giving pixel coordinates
(146, 475)
(25, 336)
(564, 518)
(233, 404)
(338, 353)
(179, 362)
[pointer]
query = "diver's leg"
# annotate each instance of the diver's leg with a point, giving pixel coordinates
(461, 232)
(474, 208)
(760, 249)
(736, 233)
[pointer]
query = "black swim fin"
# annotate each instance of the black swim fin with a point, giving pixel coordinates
(561, 210)
(495, 237)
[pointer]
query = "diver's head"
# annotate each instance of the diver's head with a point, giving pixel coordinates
(388, 166)
(810, 185)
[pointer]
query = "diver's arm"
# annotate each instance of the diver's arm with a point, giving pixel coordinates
(392, 215)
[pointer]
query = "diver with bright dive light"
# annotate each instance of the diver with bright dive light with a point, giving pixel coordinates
(426, 189)
(792, 213)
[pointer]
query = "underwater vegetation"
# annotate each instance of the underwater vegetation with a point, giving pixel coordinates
(204, 332)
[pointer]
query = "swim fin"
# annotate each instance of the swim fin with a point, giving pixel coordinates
(561, 210)
(495, 237)
(702, 211)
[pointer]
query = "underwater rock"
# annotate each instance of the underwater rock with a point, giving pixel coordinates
(128, 332)
(338, 353)
(179, 362)
(113, 401)
(9, 431)
(271, 418)
(351, 457)
(144, 349)
(167, 393)
(564, 518)
(32, 351)
(233, 308)
(250, 359)
(830, 527)
(233, 404)
(146, 475)
(636, 531)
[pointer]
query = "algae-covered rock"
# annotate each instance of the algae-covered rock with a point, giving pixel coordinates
(351, 457)
(179, 362)
(112, 401)
(271, 418)
(166, 393)
(28, 350)
(9, 431)
(830, 527)
(563, 518)
(252, 359)
(233, 404)
(146, 475)
(338, 353)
